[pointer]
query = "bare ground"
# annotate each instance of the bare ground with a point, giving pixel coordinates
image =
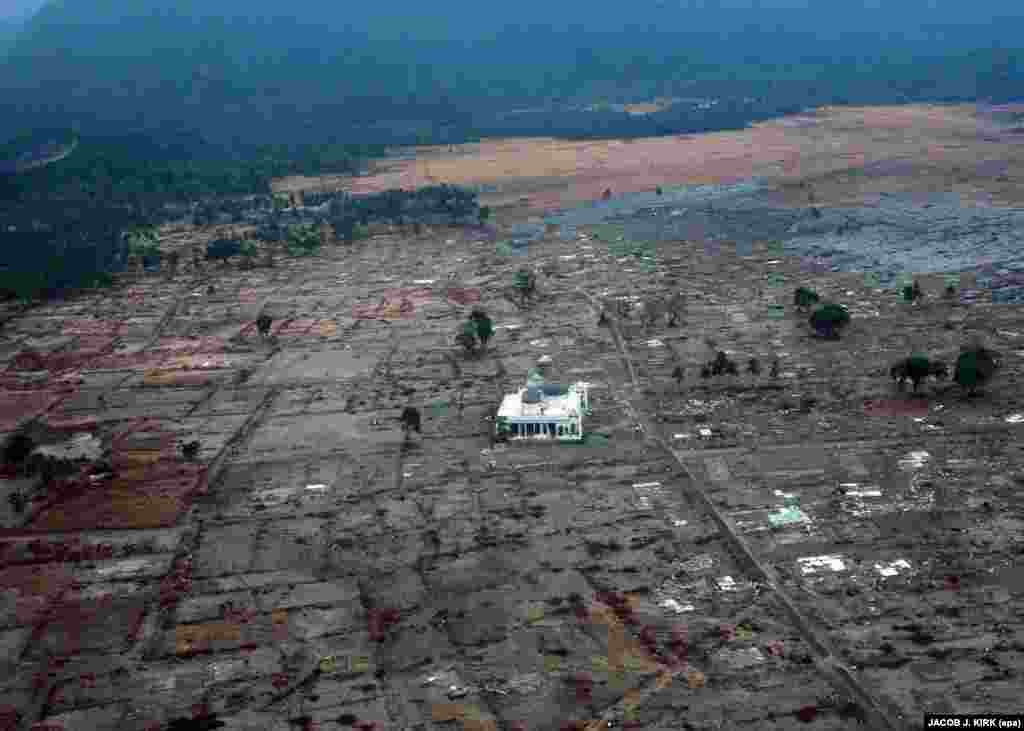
(311, 571)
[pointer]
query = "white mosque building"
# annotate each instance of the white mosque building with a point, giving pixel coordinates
(543, 412)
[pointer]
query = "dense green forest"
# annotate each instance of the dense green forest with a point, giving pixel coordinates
(184, 101)
(399, 72)
(62, 223)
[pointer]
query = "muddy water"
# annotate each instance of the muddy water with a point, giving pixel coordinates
(889, 235)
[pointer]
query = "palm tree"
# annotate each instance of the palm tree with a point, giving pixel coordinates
(526, 284)
(675, 308)
(410, 421)
(483, 326)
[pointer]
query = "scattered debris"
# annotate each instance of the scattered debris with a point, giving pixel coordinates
(892, 568)
(817, 564)
(739, 659)
(702, 562)
(914, 460)
(727, 583)
(673, 606)
(527, 684)
(787, 516)
(81, 447)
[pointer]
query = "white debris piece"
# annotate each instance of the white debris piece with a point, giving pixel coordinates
(1015, 418)
(527, 684)
(727, 583)
(82, 446)
(673, 606)
(816, 564)
(892, 568)
(914, 460)
(741, 658)
(702, 562)
(423, 281)
(655, 343)
(870, 491)
(316, 487)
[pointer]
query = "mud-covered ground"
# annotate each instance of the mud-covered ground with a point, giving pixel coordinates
(308, 570)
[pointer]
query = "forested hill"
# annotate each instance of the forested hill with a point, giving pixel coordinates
(9, 29)
(401, 71)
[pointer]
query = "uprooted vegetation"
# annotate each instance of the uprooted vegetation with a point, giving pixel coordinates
(917, 368)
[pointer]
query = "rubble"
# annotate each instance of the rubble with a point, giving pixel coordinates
(304, 511)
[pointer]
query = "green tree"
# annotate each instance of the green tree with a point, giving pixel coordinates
(974, 368)
(360, 232)
(142, 242)
(303, 240)
(485, 213)
(913, 292)
(249, 251)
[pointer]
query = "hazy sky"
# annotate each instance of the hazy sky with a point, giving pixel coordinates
(19, 8)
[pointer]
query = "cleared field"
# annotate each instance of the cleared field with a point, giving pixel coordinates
(309, 569)
(846, 153)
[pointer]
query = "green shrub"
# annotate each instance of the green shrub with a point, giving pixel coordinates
(303, 240)
(804, 297)
(917, 368)
(829, 319)
(974, 368)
